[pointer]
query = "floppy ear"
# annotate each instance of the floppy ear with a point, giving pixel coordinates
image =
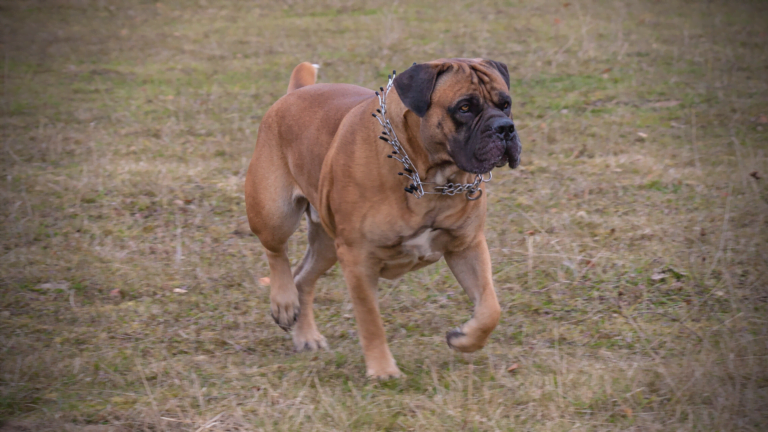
(415, 85)
(502, 68)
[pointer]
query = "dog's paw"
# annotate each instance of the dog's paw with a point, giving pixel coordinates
(458, 340)
(308, 341)
(384, 374)
(285, 314)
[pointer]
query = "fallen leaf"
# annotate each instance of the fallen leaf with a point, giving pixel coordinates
(606, 70)
(530, 233)
(642, 135)
(62, 285)
(115, 293)
(557, 21)
(627, 411)
(178, 203)
(565, 5)
(666, 104)
(677, 273)
(663, 272)
(179, 290)
(116, 400)
(512, 368)
(244, 229)
(762, 119)
(264, 281)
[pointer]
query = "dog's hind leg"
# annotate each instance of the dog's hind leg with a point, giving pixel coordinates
(320, 256)
(284, 297)
(274, 205)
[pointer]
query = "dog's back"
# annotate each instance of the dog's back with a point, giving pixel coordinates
(295, 135)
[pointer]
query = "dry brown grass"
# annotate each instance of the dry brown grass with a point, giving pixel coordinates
(631, 268)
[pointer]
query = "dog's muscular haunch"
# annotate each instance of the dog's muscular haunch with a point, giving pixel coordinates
(318, 153)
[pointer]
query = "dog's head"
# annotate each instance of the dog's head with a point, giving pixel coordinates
(464, 105)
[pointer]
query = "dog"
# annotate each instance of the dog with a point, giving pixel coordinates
(384, 194)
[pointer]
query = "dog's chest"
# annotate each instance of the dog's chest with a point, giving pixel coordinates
(421, 250)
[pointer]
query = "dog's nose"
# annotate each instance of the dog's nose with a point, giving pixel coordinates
(504, 127)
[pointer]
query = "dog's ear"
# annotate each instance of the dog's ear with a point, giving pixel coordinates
(502, 68)
(415, 85)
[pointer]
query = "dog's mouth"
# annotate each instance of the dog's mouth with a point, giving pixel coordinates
(495, 153)
(512, 151)
(486, 149)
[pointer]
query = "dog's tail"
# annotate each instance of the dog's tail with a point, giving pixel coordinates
(303, 75)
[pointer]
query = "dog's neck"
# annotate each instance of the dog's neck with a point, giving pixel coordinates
(435, 167)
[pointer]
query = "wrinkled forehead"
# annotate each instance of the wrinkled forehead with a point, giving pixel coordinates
(461, 77)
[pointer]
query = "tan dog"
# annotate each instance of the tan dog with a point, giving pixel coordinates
(318, 152)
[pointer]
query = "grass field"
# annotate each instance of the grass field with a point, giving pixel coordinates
(630, 249)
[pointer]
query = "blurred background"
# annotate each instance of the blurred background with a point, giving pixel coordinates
(629, 249)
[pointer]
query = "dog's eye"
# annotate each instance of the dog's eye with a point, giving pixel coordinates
(506, 105)
(464, 108)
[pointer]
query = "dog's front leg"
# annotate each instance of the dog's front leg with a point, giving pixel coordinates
(362, 278)
(472, 268)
